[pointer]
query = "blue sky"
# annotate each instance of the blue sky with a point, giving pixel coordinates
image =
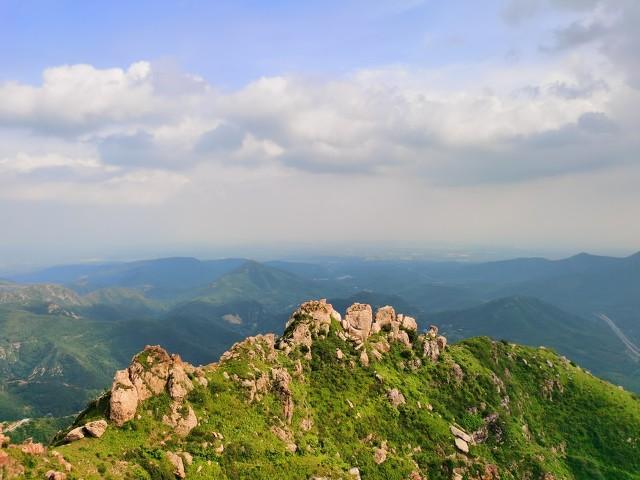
(233, 42)
(173, 127)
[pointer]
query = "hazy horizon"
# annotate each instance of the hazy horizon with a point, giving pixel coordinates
(176, 128)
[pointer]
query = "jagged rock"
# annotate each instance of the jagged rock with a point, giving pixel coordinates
(355, 473)
(357, 321)
(178, 465)
(124, 399)
(74, 435)
(433, 344)
(182, 418)
(321, 312)
(313, 317)
(281, 386)
(54, 475)
(95, 429)
(462, 445)
(396, 397)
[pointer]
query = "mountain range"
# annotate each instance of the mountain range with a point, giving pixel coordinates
(63, 330)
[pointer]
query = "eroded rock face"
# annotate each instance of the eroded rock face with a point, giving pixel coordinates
(357, 321)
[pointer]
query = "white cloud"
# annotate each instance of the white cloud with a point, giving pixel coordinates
(150, 135)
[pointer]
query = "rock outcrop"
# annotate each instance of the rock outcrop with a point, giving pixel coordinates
(433, 344)
(152, 372)
(358, 321)
(311, 318)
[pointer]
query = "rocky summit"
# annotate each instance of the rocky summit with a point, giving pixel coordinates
(359, 395)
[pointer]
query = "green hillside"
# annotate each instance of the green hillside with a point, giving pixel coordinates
(532, 322)
(309, 405)
(275, 289)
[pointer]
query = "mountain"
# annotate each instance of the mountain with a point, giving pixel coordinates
(359, 398)
(530, 321)
(276, 289)
(160, 278)
(51, 336)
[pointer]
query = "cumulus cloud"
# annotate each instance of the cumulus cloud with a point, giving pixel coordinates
(148, 126)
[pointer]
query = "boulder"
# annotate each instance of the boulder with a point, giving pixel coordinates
(74, 435)
(355, 473)
(396, 397)
(380, 454)
(96, 428)
(124, 399)
(357, 321)
(409, 323)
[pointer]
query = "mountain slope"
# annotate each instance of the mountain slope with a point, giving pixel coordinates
(274, 288)
(310, 405)
(532, 322)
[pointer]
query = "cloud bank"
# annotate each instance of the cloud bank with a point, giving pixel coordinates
(423, 141)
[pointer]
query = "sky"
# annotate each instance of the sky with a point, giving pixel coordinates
(146, 128)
